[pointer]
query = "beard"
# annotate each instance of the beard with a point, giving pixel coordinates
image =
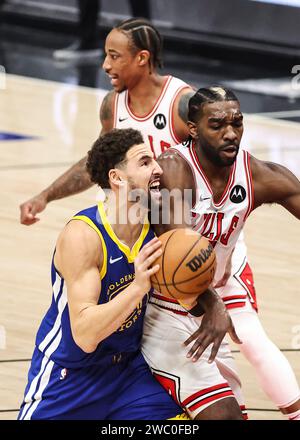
(215, 156)
(138, 196)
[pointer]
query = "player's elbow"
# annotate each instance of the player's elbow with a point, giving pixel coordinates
(88, 348)
(83, 339)
(85, 345)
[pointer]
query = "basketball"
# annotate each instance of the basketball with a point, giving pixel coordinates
(187, 265)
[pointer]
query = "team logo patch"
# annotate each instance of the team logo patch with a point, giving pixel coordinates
(160, 121)
(238, 194)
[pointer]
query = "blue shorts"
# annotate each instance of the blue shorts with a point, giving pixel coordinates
(122, 388)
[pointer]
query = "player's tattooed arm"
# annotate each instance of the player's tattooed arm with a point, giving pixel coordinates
(73, 181)
(77, 179)
(107, 112)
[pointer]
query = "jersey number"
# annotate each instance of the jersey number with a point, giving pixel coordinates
(163, 146)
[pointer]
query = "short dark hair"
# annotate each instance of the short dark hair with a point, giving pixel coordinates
(108, 151)
(208, 95)
(143, 36)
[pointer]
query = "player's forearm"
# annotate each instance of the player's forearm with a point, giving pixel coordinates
(73, 181)
(208, 300)
(97, 322)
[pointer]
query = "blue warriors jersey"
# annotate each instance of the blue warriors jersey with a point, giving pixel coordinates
(54, 338)
(112, 383)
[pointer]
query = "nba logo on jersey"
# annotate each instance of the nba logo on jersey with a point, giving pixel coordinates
(63, 374)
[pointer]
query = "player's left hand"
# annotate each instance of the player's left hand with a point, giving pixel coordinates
(216, 322)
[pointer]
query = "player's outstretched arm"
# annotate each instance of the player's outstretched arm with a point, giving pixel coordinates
(274, 183)
(79, 259)
(73, 181)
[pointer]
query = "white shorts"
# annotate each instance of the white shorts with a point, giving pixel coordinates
(240, 286)
(193, 385)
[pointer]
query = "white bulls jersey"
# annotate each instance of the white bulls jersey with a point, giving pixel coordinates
(221, 222)
(157, 126)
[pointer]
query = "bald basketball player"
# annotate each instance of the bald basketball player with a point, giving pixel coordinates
(227, 185)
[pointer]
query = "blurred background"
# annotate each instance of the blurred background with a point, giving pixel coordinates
(250, 45)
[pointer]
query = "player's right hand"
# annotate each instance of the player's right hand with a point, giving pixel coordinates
(30, 208)
(143, 264)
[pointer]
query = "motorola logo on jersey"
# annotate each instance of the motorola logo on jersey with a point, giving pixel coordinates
(238, 194)
(160, 121)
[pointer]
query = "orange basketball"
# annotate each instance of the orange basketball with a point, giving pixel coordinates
(187, 265)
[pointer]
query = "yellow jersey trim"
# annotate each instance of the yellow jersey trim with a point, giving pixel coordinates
(182, 416)
(92, 225)
(131, 254)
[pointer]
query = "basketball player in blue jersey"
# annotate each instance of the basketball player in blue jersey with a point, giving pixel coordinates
(87, 362)
(227, 185)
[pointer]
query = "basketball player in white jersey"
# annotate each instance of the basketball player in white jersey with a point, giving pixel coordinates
(141, 98)
(227, 185)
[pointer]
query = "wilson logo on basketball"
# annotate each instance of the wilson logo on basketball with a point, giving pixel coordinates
(186, 266)
(196, 262)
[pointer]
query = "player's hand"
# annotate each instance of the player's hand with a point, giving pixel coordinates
(143, 264)
(216, 322)
(30, 209)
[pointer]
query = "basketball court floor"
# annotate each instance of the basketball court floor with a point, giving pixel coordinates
(46, 126)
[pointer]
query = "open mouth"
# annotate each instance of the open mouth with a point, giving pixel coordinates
(113, 79)
(154, 186)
